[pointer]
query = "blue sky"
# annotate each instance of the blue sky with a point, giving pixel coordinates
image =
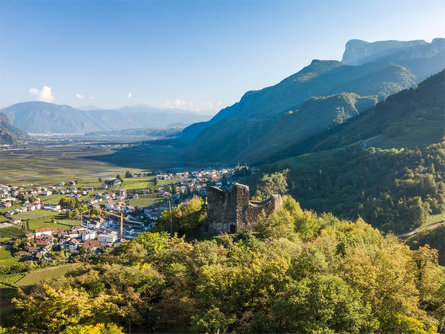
(199, 55)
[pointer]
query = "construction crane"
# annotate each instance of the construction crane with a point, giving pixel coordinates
(121, 216)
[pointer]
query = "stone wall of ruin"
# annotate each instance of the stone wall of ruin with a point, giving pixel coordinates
(232, 211)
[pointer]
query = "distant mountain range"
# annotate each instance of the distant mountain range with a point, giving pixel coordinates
(42, 117)
(320, 96)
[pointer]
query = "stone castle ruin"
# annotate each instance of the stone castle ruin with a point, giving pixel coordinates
(232, 211)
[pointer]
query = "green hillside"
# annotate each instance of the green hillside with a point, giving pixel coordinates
(413, 117)
(432, 237)
(233, 133)
(393, 189)
(258, 128)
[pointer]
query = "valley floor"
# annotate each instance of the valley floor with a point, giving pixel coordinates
(50, 164)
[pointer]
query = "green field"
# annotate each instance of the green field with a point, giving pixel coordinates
(6, 258)
(36, 214)
(36, 276)
(437, 219)
(138, 183)
(11, 232)
(11, 278)
(144, 200)
(309, 158)
(38, 219)
(52, 199)
(41, 218)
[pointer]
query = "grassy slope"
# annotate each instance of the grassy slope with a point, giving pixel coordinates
(36, 276)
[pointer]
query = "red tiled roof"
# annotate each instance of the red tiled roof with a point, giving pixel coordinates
(91, 244)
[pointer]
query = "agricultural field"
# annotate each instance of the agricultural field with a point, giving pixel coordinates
(38, 219)
(36, 276)
(134, 183)
(11, 278)
(52, 199)
(34, 215)
(11, 232)
(47, 165)
(144, 200)
(6, 258)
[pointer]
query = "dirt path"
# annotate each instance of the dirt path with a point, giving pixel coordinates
(421, 229)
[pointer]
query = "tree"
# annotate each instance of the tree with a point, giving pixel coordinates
(73, 214)
(270, 184)
(185, 218)
(99, 328)
(49, 309)
(211, 321)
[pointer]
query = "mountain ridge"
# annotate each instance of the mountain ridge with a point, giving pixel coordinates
(43, 117)
(233, 133)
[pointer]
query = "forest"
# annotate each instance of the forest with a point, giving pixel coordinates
(394, 190)
(297, 272)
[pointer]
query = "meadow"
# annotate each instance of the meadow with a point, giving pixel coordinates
(145, 200)
(6, 258)
(36, 276)
(138, 183)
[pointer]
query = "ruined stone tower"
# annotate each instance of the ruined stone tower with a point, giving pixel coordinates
(232, 211)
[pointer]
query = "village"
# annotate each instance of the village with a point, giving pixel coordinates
(79, 216)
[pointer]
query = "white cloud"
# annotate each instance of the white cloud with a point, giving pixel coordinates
(91, 98)
(130, 95)
(200, 107)
(80, 96)
(43, 94)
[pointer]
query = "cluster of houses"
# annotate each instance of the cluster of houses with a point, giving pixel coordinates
(94, 234)
(79, 237)
(19, 199)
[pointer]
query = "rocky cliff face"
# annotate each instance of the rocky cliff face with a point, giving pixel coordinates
(359, 52)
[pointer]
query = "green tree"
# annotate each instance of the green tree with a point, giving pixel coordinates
(211, 321)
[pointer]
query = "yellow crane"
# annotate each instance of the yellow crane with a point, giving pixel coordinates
(121, 216)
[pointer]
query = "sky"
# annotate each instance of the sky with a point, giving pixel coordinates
(195, 55)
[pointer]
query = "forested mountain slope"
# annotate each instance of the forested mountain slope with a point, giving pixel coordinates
(410, 118)
(253, 128)
(393, 189)
(259, 114)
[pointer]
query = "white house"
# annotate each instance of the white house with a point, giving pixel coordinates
(88, 235)
(107, 237)
(55, 208)
(94, 224)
